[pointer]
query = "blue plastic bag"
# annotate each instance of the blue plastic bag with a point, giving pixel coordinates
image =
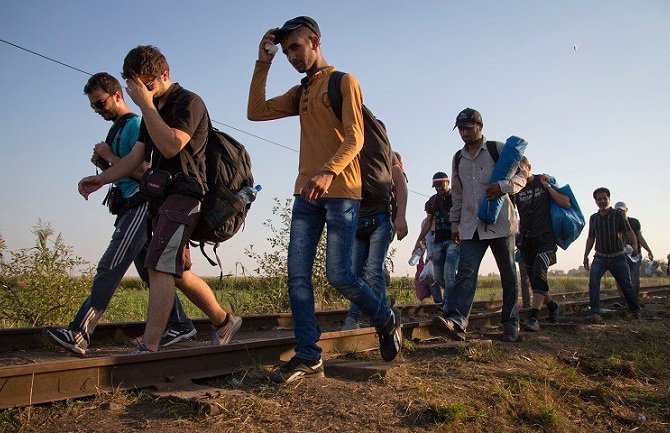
(566, 223)
(507, 162)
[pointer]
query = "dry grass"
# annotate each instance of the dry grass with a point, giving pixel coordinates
(598, 378)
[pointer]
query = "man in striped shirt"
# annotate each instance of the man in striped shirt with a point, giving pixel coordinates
(604, 229)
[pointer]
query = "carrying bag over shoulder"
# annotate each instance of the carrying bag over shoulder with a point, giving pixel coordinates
(376, 155)
(503, 169)
(228, 170)
(566, 223)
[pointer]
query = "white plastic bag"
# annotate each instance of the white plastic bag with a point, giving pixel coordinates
(426, 275)
(651, 268)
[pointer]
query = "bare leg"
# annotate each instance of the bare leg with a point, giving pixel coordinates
(199, 292)
(161, 298)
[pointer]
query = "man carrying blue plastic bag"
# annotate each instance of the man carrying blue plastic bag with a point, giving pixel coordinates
(472, 167)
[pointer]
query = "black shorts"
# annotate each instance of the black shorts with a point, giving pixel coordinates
(168, 250)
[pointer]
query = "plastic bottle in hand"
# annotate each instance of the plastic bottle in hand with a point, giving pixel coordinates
(416, 255)
(248, 194)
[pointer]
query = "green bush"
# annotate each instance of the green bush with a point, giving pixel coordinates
(38, 286)
(272, 264)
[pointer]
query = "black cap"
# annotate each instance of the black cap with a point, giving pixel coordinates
(293, 24)
(440, 176)
(468, 117)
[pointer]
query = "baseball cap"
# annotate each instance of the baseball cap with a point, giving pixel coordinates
(468, 117)
(620, 205)
(293, 24)
(439, 177)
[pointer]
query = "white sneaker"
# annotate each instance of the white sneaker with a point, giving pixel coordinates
(224, 333)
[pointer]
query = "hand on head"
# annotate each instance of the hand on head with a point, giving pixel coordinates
(267, 47)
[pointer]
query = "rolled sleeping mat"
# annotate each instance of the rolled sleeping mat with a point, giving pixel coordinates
(506, 166)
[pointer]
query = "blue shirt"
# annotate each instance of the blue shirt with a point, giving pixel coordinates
(121, 146)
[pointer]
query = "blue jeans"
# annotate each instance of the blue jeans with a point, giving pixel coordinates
(459, 300)
(618, 267)
(445, 263)
(307, 222)
(369, 255)
(128, 245)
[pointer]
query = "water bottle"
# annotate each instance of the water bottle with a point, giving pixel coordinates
(248, 194)
(416, 255)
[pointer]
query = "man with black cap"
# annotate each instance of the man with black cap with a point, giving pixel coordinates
(444, 250)
(471, 173)
(327, 190)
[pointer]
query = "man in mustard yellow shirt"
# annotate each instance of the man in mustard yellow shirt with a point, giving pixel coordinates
(327, 191)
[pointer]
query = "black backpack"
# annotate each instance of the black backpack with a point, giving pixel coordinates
(228, 170)
(376, 155)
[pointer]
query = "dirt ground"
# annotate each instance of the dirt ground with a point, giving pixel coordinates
(580, 377)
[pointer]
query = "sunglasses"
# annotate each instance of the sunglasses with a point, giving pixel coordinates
(99, 105)
(149, 85)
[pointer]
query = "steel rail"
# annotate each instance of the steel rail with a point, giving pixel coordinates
(12, 339)
(66, 377)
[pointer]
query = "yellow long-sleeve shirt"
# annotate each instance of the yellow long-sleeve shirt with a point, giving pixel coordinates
(325, 142)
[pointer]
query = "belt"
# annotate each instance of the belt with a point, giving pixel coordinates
(610, 255)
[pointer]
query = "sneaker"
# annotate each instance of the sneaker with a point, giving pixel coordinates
(532, 325)
(635, 316)
(224, 333)
(553, 315)
(140, 349)
(350, 324)
(450, 328)
(510, 332)
(297, 368)
(390, 337)
(72, 339)
(176, 334)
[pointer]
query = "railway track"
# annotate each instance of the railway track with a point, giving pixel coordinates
(32, 373)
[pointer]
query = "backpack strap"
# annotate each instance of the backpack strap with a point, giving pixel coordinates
(114, 134)
(334, 92)
(492, 147)
(186, 159)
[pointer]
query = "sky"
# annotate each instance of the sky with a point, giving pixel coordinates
(585, 83)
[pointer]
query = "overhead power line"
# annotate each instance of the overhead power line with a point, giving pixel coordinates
(45, 57)
(213, 121)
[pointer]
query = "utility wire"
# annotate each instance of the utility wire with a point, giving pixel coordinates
(256, 136)
(213, 121)
(45, 57)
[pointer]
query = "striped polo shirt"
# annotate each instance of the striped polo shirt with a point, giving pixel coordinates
(605, 228)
